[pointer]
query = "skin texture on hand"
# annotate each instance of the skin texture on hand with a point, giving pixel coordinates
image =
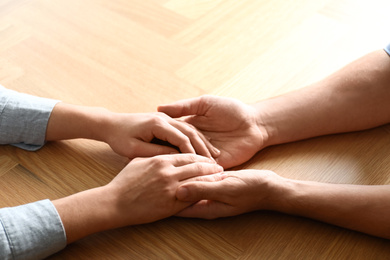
(364, 208)
(144, 191)
(128, 134)
(230, 125)
(228, 194)
(131, 135)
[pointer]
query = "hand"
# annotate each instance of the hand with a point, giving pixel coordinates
(229, 194)
(145, 191)
(127, 134)
(131, 135)
(230, 125)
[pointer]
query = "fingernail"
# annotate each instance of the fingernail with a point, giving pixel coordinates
(216, 151)
(182, 193)
(220, 168)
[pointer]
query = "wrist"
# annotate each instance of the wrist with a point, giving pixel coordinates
(280, 120)
(281, 194)
(85, 213)
(264, 124)
(101, 124)
(297, 197)
(72, 121)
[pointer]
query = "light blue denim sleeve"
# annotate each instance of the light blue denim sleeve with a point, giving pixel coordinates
(31, 231)
(23, 119)
(387, 49)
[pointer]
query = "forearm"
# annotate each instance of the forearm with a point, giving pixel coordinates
(357, 207)
(85, 213)
(354, 98)
(72, 121)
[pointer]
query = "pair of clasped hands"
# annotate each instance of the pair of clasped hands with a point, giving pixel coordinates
(216, 133)
(212, 134)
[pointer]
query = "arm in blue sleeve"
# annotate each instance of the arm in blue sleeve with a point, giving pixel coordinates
(23, 119)
(31, 231)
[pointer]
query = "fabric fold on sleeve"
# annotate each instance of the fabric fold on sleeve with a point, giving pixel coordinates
(24, 119)
(31, 231)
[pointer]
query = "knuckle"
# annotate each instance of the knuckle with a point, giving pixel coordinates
(156, 120)
(199, 167)
(187, 140)
(192, 158)
(164, 180)
(131, 146)
(137, 159)
(191, 132)
(158, 162)
(184, 141)
(189, 127)
(161, 115)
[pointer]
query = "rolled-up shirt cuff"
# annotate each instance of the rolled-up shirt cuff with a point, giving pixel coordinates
(24, 119)
(31, 231)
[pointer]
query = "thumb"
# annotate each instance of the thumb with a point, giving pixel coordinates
(195, 191)
(181, 108)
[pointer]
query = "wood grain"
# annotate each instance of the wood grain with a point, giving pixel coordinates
(131, 56)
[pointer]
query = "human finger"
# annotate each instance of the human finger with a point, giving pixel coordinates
(199, 142)
(144, 149)
(197, 169)
(194, 108)
(185, 107)
(207, 209)
(215, 152)
(182, 159)
(195, 191)
(208, 178)
(174, 136)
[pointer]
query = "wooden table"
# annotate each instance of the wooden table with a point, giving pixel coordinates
(132, 55)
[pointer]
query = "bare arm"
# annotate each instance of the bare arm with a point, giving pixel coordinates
(354, 98)
(357, 207)
(364, 208)
(357, 97)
